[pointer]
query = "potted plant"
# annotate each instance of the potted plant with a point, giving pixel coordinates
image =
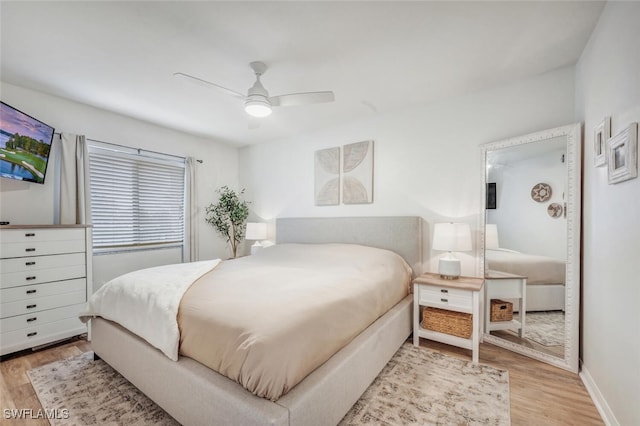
(229, 217)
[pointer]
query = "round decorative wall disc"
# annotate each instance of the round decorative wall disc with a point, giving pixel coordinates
(541, 192)
(554, 210)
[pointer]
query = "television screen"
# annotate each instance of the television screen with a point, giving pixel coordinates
(25, 144)
(491, 195)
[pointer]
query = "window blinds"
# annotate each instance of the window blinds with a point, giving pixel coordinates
(136, 201)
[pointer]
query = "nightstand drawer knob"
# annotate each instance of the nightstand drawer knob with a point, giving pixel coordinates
(444, 300)
(444, 290)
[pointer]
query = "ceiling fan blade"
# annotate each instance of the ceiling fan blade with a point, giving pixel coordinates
(208, 84)
(294, 99)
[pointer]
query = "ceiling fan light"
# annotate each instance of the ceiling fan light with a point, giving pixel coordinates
(257, 107)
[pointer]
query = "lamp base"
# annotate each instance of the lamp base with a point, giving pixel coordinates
(449, 269)
(256, 247)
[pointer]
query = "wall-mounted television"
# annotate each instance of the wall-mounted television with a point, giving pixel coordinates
(491, 195)
(25, 145)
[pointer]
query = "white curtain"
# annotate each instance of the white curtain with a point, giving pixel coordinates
(75, 202)
(191, 213)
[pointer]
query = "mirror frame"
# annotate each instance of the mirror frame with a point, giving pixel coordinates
(573, 133)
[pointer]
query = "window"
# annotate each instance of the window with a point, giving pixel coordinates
(137, 198)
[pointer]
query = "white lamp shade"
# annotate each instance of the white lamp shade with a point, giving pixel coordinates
(452, 237)
(491, 236)
(256, 231)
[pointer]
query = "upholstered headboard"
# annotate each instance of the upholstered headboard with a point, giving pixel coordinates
(401, 234)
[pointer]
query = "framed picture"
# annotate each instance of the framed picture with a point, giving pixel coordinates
(622, 153)
(491, 195)
(327, 177)
(601, 135)
(357, 173)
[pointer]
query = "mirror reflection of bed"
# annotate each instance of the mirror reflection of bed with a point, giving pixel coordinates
(524, 239)
(545, 290)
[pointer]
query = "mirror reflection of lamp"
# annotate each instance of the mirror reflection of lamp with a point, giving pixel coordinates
(491, 236)
(256, 231)
(451, 237)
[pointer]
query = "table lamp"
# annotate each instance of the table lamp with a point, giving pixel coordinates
(451, 237)
(256, 231)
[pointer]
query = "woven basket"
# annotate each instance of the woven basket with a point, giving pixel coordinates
(449, 322)
(501, 310)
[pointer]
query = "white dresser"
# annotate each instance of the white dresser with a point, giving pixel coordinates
(45, 277)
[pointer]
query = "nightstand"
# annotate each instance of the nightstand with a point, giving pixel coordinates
(460, 295)
(501, 285)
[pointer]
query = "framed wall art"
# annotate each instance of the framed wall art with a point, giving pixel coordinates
(327, 177)
(622, 153)
(601, 135)
(357, 173)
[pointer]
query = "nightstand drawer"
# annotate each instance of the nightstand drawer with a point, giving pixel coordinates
(446, 298)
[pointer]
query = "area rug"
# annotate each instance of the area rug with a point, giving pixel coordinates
(546, 328)
(424, 387)
(418, 386)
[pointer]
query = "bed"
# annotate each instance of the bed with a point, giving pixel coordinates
(195, 394)
(545, 276)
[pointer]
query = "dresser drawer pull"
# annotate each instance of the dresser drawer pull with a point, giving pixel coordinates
(31, 234)
(33, 333)
(32, 319)
(444, 290)
(444, 300)
(31, 291)
(31, 306)
(31, 278)
(29, 263)
(29, 249)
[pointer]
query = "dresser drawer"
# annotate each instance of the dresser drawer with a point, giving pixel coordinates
(33, 336)
(27, 235)
(39, 318)
(36, 263)
(38, 304)
(446, 298)
(31, 292)
(17, 279)
(41, 248)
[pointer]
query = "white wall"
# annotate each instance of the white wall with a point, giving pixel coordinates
(523, 223)
(28, 203)
(608, 84)
(426, 162)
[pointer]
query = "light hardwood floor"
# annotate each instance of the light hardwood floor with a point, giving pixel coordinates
(540, 394)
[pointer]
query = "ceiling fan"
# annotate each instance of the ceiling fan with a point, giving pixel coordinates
(257, 101)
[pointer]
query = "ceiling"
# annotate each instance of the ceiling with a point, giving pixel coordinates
(377, 57)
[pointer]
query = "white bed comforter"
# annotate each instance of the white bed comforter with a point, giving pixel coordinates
(146, 302)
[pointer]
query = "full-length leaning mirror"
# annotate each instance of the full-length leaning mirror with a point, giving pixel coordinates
(531, 240)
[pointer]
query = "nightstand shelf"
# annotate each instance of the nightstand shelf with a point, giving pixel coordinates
(501, 285)
(461, 295)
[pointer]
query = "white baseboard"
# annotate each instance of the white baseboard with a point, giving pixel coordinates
(597, 397)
